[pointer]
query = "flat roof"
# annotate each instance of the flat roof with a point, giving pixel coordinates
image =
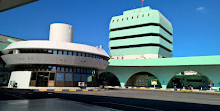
(9, 4)
(177, 61)
(6, 40)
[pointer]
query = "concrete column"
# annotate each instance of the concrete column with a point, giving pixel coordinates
(165, 74)
(216, 81)
(164, 86)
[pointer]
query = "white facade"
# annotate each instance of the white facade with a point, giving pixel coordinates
(58, 57)
(40, 44)
(22, 78)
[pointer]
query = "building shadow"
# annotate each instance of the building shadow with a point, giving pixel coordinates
(119, 103)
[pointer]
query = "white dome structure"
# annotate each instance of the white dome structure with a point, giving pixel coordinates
(54, 63)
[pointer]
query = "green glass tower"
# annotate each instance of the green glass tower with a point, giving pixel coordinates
(141, 33)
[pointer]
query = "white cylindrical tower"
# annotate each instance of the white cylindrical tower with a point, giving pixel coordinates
(61, 32)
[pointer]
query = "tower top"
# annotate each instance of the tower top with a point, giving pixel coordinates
(61, 32)
(138, 10)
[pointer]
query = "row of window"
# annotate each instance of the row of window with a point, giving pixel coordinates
(55, 69)
(59, 52)
(76, 77)
(128, 18)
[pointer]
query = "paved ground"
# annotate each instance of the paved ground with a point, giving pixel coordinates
(148, 100)
(188, 97)
(52, 104)
(129, 100)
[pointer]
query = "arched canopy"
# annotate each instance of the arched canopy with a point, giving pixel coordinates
(108, 79)
(188, 79)
(142, 79)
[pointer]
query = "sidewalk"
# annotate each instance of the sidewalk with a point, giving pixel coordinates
(160, 89)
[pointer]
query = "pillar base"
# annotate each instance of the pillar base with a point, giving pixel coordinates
(164, 86)
(122, 84)
(216, 88)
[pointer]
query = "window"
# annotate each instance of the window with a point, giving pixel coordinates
(117, 20)
(89, 71)
(84, 77)
(193, 80)
(64, 52)
(132, 17)
(90, 55)
(84, 71)
(127, 18)
(112, 20)
(122, 19)
(148, 14)
(59, 52)
(83, 54)
(66, 69)
(50, 51)
(54, 68)
(70, 53)
(143, 15)
(58, 69)
(68, 77)
(79, 54)
(62, 69)
(52, 75)
(74, 53)
(78, 70)
(81, 70)
(60, 77)
(87, 55)
(76, 77)
(70, 70)
(137, 16)
(55, 52)
(74, 69)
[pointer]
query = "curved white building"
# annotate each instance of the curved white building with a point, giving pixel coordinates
(54, 63)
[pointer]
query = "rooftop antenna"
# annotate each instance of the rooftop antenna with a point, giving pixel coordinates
(142, 3)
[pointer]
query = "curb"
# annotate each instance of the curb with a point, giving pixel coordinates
(68, 90)
(152, 89)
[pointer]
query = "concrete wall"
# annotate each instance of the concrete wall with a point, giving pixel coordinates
(165, 74)
(22, 78)
(66, 60)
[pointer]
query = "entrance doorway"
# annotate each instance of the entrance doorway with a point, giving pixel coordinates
(177, 82)
(108, 79)
(42, 79)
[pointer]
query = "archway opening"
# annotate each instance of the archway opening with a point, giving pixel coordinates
(108, 79)
(190, 80)
(143, 79)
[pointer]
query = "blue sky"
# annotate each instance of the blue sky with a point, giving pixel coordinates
(195, 22)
